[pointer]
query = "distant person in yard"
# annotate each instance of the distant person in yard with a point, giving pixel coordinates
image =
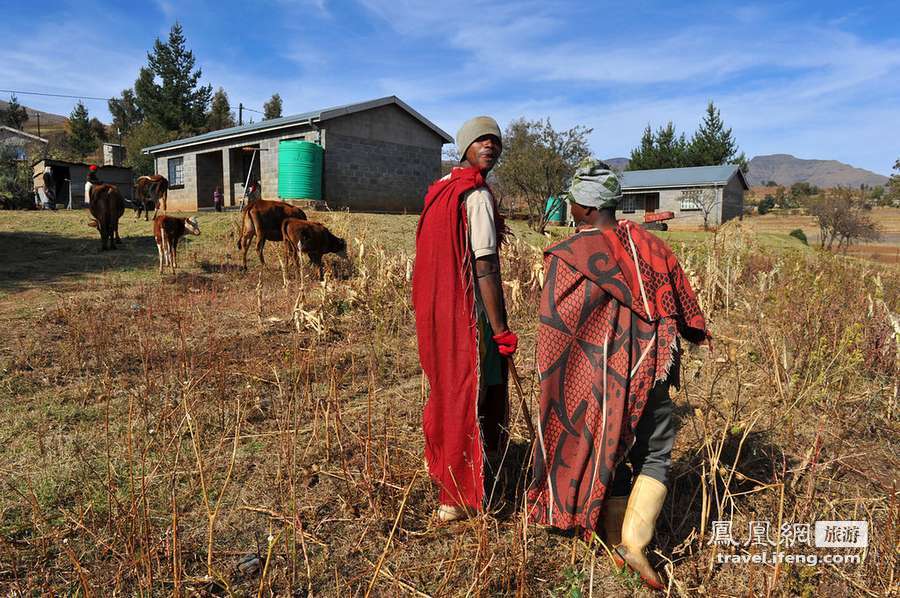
(614, 303)
(461, 324)
(218, 199)
(49, 185)
(90, 182)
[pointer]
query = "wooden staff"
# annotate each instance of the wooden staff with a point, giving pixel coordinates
(526, 414)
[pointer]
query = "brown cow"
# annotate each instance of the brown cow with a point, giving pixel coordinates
(168, 230)
(106, 206)
(149, 190)
(313, 239)
(262, 218)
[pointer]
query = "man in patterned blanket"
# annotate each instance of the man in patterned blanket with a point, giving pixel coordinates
(614, 302)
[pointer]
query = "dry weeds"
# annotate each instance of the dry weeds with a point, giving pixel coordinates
(259, 434)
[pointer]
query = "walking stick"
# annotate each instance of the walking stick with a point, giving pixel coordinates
(526, 414)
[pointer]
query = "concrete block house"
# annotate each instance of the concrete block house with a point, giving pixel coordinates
(379, 156)
(678, 190)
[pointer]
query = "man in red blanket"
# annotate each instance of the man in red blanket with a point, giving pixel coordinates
(614, 302)
(461, 323)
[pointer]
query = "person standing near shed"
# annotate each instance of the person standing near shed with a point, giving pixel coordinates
(461, 325)
(90, 182)
(614, 303)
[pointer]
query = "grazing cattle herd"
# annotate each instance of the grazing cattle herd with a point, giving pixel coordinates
(263, 218)
(266, 220)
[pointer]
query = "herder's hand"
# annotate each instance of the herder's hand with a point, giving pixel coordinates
(507, 342)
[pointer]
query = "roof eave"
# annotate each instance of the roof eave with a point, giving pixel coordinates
(24, 134)
(163, 147)
(705, 184)
(320, 116)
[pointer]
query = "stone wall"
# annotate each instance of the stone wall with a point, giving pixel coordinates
(373, 175)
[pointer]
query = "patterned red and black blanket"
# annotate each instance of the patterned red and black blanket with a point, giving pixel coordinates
(612, 306)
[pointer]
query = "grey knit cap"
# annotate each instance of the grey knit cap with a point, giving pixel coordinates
(595, 185)
(474, 128)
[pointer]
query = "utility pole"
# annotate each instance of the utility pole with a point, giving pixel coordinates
(38, 116)
(240, 113)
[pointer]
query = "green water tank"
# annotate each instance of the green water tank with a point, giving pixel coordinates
(300, 169)
(555, 210)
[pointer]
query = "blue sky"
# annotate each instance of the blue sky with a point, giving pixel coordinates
(814, 79)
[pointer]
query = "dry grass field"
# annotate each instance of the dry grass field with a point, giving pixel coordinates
(887, 250)
(257, 433)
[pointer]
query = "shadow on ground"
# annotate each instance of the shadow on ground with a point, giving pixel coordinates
(757, 459)
(33, 258)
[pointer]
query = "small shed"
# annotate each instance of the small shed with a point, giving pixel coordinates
(682, 190)
(19, 141)
(68, 179)
(378, 155)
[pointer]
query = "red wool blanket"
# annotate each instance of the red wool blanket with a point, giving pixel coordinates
(613, 304)
(443, 298)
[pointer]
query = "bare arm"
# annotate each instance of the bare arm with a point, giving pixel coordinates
(487, 275)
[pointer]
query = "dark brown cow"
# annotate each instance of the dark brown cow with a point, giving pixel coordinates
(313, 239)
(168, 230)
(262, 218)
(106, 206)
(150, 191)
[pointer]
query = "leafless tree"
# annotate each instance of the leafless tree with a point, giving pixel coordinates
(841, 214)
(706, 201)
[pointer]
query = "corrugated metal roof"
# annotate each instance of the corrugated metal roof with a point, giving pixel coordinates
(694, 176)
(19, 133)
(297, 119)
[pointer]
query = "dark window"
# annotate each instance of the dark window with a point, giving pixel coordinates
(176, 171)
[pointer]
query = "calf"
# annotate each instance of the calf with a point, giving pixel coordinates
(168, 230)
(313, 239)
(106, 207)
(263, 218)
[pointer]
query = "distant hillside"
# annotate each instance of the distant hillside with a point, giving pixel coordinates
(49, 122)
(785, 169)
(618, 163)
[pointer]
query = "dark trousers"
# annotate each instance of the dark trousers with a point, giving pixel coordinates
(651, 454)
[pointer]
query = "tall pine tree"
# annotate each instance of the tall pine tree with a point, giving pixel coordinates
(220, 115)
(643, 157)
(101, 133)
(272, 108)
(81, 138)
(14, 115)
(713, 144)
(167, 90)
(126, 115)
(670, 147)
(663, 149)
